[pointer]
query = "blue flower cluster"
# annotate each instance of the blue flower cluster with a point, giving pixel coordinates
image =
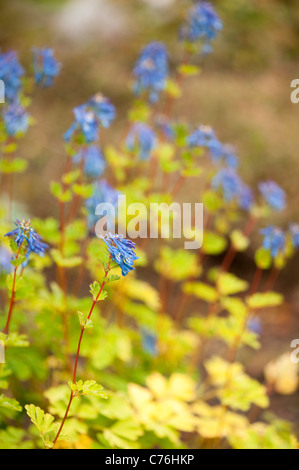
(274, 240)
(121, 251)
(151, 71)
(201, 24)
(273, 194)
(294, 232)
(233, 188)
(45, 66)
(102, 192)
(25, 233)
(11, 73)
(141, 138)
(16, 119)
(94, 163)
(204, 136)
(98, 111)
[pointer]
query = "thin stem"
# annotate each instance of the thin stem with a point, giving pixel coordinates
(12, 298)
(78, 354)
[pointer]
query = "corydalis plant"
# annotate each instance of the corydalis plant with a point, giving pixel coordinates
(121, 254)
(24, 241)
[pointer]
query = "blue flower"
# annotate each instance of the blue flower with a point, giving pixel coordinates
(273, 194)
(94, 163)
(142, 138)
(203, 136)
(85, 122)
(11, 72)
(294, 232)
(102, 192)
(45, 66)
(121, 251)
(25, 233)
(233, 188)
(149, 343)
(103, 109)
(151, 70)
(5, 258)
(89, 116)
(201, 24)
(16, 119)
(254, 324)
(274, 240)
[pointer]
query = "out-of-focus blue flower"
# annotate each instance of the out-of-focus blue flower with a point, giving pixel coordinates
(165, 127)
(254, 324)
(16, 119)
(151, 70)
(149, 342)
(245, 197)
(25, 233)
(11, 72)
(201, 24)
(294, 232)
(89, 116)
(223, 153)
(94, 163)
(5, 258)
(233, 188)
(122, 252)
(45, 66)
(273, 194)
(85, 122)
(142, 138)
(103, 109)
(274, 240)
(102, 192)
(203, 136)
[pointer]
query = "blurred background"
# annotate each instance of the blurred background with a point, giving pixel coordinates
(243, 93)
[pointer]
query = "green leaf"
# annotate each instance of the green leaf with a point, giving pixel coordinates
(201, 290)
(17, 165)
(263, 258)
(58, 191)
(44, 423)
(229, 284)
(94, 289)
(70, 262)
(239, 241)
(9, 403)
(266, 299)
(213, 244)
(189, 70)
(89, 387)
(84, 322)
(83, 190)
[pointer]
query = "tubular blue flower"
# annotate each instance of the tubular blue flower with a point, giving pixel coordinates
(294, 232)
(85, 122)
(103, 109)
(141, 138)
(151, 70)
(149, 342)
(223, 153)
(5, 258)
(273, 194)
(45, 66)
(274, 240)
(11, 72)
(201, 24)
(203, 136)
(254, 324)
(94, 163)
(233, 188)
(102, 192)
(25, 233)
(121, 251)
(16, 119)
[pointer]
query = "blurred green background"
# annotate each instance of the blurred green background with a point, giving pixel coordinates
(243, 92)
